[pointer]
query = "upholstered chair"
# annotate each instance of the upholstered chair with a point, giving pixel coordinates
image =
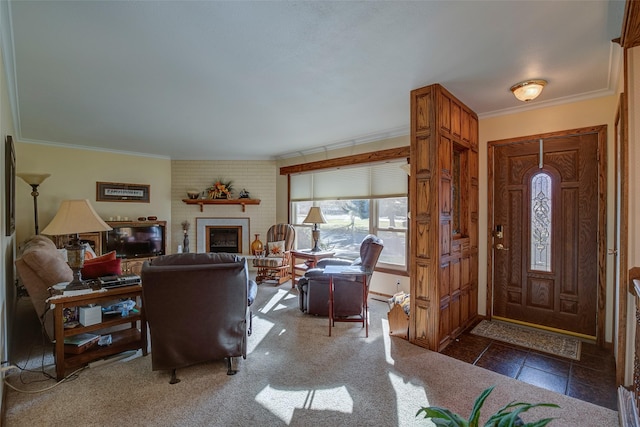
(198, 309)
(313, 288)
(40, 266)
(275, 265)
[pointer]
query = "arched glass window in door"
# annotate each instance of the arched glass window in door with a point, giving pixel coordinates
(541, 222)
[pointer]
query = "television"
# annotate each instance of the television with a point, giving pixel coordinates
(135, 240)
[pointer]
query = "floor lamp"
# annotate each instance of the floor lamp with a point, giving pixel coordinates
(34, 180)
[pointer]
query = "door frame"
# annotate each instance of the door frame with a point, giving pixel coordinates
(601, 131)
(621, 236)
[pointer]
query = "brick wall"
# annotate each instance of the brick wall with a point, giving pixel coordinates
(258, 177)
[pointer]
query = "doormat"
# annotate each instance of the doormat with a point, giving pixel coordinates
(547, 342)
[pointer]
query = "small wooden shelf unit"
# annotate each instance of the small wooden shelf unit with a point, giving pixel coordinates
(132, 338)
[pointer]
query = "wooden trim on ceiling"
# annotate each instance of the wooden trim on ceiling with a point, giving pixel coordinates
(356, 159)
(630, 33)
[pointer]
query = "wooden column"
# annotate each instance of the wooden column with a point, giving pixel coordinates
(444, 217)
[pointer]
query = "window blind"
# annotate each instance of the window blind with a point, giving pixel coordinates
(361, 182)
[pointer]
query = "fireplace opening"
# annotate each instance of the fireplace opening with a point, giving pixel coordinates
(224, 239)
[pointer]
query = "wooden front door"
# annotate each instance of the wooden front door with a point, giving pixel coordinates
(546, 259)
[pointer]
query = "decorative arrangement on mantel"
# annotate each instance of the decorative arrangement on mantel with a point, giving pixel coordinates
(220, 189)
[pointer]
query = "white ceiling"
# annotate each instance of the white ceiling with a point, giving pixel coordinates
(261, 80)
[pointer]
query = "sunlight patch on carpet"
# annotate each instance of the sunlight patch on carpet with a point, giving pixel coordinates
(387, 342)
(274, 302)
(260, 330)
(284, 403)
(547, 342)
(407, 394)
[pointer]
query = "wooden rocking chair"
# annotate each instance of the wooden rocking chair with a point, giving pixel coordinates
(275, 265)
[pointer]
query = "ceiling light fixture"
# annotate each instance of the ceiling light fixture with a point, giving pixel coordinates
(528, 90)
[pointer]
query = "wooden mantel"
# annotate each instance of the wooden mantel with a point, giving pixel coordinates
(202, 202)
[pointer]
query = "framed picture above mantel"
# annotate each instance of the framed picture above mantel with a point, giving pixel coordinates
(121, 192)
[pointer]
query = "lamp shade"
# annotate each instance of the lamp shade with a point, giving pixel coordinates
(314, 216)
(73, 217)
(34, 178)
(528, 90)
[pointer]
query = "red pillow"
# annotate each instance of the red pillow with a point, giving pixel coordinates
(109, 256)
(105, 268)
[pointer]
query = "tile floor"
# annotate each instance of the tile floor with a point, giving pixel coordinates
(591, 379)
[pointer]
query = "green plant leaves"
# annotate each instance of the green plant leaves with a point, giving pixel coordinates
(474, 418)
(507, 416)
(443, 417)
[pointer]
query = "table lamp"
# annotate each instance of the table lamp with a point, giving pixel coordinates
(74, 217)
(34, 180)
(315, 217)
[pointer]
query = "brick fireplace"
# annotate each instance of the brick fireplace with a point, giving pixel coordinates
(229, 235)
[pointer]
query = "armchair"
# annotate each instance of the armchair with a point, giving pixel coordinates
(313, 288)
(276, 264)
(198, 309)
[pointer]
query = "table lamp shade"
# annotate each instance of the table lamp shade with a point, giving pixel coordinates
(314, 216)
(73, 217)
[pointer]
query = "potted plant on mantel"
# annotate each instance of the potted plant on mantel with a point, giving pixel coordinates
(507, 416)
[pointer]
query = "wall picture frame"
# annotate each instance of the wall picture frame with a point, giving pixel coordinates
(122, 192)
(10, 186)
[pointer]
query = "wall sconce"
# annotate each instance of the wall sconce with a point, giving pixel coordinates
(528, 90)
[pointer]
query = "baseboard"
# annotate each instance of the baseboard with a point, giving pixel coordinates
(379, 294)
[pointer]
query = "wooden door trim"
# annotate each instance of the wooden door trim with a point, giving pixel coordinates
(602, 215)
(621, 152)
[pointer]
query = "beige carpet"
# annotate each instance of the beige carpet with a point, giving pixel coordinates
(294, 375)
(556, 344)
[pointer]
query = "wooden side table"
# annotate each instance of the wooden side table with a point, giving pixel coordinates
(131, 338)
(311, 260)
(340, 270)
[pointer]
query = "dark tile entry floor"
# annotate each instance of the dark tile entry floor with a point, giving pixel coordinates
(591, 379)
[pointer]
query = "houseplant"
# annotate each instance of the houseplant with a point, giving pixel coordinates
(507, 416)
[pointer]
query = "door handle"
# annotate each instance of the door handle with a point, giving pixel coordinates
(500, 247)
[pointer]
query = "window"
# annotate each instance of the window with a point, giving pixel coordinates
(541, 222)
(355, 202)
(455, 194)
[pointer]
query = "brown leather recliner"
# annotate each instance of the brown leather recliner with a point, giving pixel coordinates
(198, 309)
(313, 288)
